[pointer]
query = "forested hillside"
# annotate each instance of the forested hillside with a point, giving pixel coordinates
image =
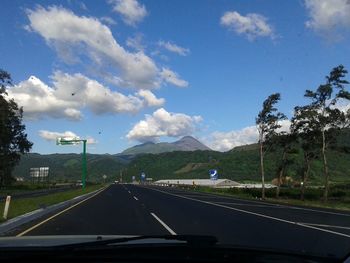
(240, 164)
(67, 167)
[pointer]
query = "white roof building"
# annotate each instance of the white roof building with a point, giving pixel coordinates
(220, 183)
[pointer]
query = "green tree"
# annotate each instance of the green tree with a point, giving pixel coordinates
(267, 123)
(282, 141)
(13, 139)
(304, 127)
(327, 117)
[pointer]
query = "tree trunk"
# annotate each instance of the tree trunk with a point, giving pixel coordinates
(325, 168)
(1, 178)
(279, 182)
(262, 170)
(305, 176)
(280, 174)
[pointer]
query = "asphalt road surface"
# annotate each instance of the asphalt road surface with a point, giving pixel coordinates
(150, 210)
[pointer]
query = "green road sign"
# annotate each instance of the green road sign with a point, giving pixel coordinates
(72, 141)
(68, 141)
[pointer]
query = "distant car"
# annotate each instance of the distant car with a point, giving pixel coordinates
(116, 182)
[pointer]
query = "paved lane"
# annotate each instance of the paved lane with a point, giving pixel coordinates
(327, 219)
(112, 212)
(145, 210)
(188, 213)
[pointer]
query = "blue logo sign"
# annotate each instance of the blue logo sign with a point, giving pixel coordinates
(143, 176)
(213, 174)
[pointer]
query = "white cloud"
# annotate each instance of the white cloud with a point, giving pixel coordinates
(52, 136)
(174, 48)
(328, 16)
(70, 94)
(132, 11)
(173, 78)
(224, 141)
(73, 37)
(135, 42)
(163, 123)
(285, 125)
(343, 105)
(62, 29)
(83, 6)
(39, 99)
(91, 140)
(108, 20)
(150, 99)
(252, 25)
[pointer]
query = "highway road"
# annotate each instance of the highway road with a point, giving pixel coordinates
(127, 209)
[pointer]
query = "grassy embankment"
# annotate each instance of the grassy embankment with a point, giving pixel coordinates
(23, 187)
(339, 197)
(25, 205)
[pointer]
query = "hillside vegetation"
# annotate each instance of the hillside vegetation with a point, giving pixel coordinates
(67, 167)
(239, 164)
(187, 143)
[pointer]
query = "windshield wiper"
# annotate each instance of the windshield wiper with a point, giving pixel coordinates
(191, 240)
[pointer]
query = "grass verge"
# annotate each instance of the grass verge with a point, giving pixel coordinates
(25, 205)
(339, 199)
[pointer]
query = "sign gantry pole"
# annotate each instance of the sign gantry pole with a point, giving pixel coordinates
(75, 140)
(84, 168)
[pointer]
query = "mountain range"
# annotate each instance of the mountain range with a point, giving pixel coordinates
(187, 143)
(239, 164)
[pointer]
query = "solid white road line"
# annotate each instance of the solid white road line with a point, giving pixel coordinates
(209, 195)
(55, 215)
(136, 198)
(317, 211)
(163, 224)
(256, 214)
(330, 226)
(253, 205)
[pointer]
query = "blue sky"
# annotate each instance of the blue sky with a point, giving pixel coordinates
(121, 72)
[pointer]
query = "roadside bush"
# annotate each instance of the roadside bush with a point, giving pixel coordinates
(312, 194)
(338, 194)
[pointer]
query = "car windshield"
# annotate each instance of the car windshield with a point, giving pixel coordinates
(128, 118)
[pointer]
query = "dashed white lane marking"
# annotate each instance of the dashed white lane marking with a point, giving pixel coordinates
(257, 214)
(129, 192)
(136, 198)
(163, 224)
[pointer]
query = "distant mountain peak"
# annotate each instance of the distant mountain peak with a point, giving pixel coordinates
(188, 137)
(145, 143)
(189, 143)
(186, 143)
